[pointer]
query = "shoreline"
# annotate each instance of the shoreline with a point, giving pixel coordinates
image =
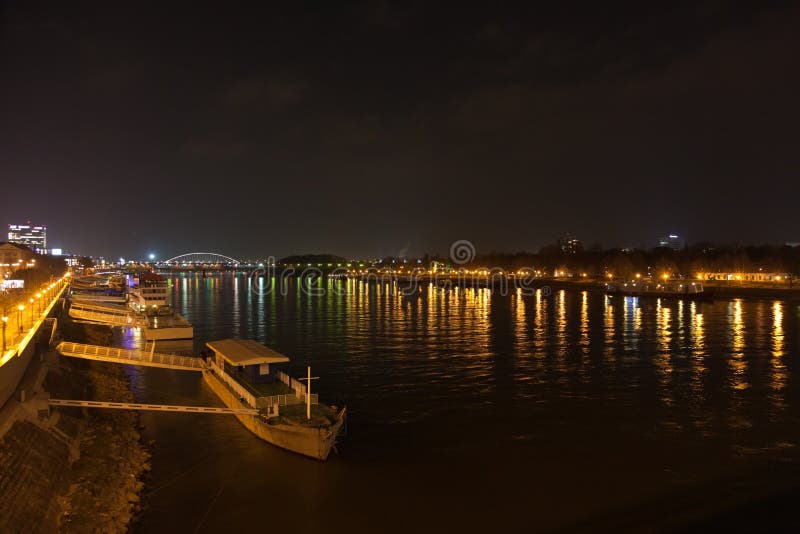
(108, 477)
(720, 290)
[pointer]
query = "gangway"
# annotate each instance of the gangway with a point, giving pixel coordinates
(130, 356)
(108, 314)
(152, 407)
(95, 305)
(98, 297)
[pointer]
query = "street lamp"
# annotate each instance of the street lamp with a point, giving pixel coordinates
(30, 301)
(19, 316)
(5, 320)
(39, 301)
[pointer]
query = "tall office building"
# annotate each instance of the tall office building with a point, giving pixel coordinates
(33, 237)
(672, 241)
(570, 244)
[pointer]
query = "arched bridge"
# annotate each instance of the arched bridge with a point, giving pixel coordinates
(192, 259)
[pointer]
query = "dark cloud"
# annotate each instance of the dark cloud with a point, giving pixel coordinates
(362, 127)
(255, 96)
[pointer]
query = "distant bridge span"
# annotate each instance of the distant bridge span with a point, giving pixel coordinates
(203, 258)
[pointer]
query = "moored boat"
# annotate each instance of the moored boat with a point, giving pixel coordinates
(244, 375)
(148, 295)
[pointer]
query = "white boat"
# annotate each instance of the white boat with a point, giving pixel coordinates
(148, 294)
(243, 375)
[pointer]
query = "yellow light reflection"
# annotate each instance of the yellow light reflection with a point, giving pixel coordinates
(584, 322)
(698, 362)
(662, 359)
(561, 322)
(779, 374)
(608, 310)
(738, 363)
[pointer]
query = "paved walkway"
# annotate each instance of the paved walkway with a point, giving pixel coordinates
(20, 322)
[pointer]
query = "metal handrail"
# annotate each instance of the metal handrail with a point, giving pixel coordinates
(125, 354)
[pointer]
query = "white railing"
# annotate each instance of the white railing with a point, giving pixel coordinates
(280, 400)
(105, 316)
(94, 306)
(129, 356)
(234, 384)
(151, 407)
(298, 387)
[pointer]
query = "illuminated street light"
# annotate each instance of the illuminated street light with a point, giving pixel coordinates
(19, 316)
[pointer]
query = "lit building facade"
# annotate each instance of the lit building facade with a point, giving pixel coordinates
(570, 244)
(13, 257)
(746, 277)
(33, 237)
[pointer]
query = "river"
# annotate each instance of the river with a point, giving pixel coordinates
(472, 411)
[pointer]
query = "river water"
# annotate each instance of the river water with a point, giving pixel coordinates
(472, 411)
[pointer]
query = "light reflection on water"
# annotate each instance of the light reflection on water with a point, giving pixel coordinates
(457, 395)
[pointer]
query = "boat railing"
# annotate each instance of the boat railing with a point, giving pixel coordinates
(298, 387)
(237, 387)
(129, 355)
(281, 400)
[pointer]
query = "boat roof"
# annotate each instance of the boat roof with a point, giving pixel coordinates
(245, 352)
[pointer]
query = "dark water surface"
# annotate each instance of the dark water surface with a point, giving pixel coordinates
(477, 412)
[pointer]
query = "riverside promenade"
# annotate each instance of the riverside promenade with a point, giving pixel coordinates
(22, 318)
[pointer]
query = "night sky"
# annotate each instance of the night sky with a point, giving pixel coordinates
(377, 128)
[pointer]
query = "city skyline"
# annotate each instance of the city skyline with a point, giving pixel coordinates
(34, 237)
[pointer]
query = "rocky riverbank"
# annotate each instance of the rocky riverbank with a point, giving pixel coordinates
(108, 477)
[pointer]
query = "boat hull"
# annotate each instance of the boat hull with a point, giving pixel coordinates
(173, 333)
(308, 441)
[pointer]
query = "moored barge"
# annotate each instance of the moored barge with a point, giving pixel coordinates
(243, 374)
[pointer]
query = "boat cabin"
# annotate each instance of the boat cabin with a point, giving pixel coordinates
(148, 292)
(246, 358)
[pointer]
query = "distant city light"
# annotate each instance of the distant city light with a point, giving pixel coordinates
(152, 256)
